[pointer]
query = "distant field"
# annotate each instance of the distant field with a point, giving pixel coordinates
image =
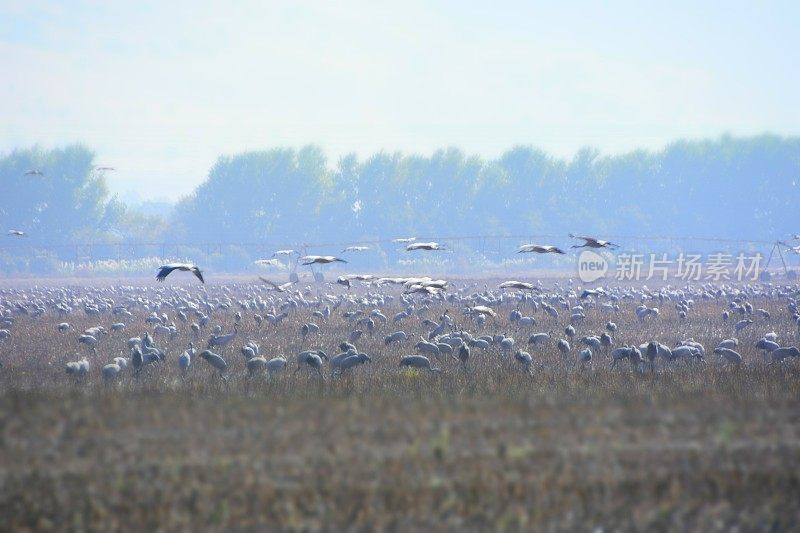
(687, 447)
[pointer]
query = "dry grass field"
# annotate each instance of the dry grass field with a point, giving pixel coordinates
(690, 446)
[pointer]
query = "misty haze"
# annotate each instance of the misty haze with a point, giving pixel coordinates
(409, 267)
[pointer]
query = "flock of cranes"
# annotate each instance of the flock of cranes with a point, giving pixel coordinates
(422, 324)
(411, 245)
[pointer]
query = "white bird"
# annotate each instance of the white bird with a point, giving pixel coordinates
(165, 270)
(356, 249)
(16, 233)
(539, 249)
(429, 246)
(284, 252)
(321, 259)
(591, 242)
(522, 285)
(34, 172)
(480, 310)
(267, 262)
(418, 288)
(280, 288)
(404, 240)
(185, 359)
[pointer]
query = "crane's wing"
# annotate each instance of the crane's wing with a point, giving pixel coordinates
(165, 271)
(582, 237)
(270, 283)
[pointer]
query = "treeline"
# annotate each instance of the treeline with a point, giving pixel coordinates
(57, 198)
(729, 187)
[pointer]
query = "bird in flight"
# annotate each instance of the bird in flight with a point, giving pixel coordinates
(320, 259)
(166, 270)
(430, 246)
(404, 240)
(593, 292)
(480, 310)
(103, 169)
(426, 289)
(519, 285)
(34, 172)
(539, 249)
(356, 249)
(16, 233)
(275, 286)
(267, 262)
(284, 252)
(591, 242)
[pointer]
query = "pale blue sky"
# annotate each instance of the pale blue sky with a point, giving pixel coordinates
(161, 89)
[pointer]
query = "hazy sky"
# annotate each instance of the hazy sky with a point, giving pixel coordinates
(161, 89)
